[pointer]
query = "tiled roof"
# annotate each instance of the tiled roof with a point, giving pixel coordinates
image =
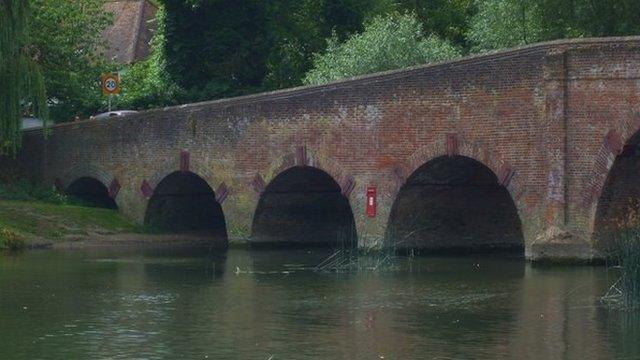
(133, 26)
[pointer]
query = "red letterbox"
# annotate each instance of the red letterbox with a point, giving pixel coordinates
(372, 202)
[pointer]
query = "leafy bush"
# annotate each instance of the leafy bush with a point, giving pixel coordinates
(388, 42)
(26, 190)
(11, 240)
(505, 23)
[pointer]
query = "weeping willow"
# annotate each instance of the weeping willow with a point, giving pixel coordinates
(22, 89)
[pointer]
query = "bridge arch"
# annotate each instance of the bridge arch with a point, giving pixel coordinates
(491, 159)
(173, 164)
(315, 159)
(92, 185)
(456, 198)
(183, 202)
(303, 205)
(615, 189)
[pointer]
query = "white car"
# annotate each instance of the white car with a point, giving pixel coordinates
(112, 114)
(31, 123)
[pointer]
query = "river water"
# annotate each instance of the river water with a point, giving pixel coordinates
(141, 304)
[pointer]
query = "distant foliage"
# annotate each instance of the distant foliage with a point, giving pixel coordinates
(500, 24)
(223, 48)
(388, 42)
(448, 19)
(299, 29)
(214, 49)
(505, 23)
(147, 84)
(208, 49)
(66, 40)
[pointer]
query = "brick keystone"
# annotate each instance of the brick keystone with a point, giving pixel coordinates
(146, 189)
(301, 156)
(452, 144)
(222, 192)
(184, 161)
(258, 183)
(613, 142)
(506, 175)
(347, 186)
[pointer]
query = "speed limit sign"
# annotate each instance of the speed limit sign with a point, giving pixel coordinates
(110, 84)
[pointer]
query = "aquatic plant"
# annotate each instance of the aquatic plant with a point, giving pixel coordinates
(623, 248)
(347, 258)
(11, 240)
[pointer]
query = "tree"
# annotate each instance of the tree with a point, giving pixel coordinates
(66, 35)
(216, 48)
(147, 84)
(505, 23)
(299, 29)
(21, 84)
(388, 42)
(448, 19)
(221, 48)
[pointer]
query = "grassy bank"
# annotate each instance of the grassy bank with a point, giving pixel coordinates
(40, 223)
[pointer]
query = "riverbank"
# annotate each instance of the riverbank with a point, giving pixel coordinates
(38, 224)
(42, 224)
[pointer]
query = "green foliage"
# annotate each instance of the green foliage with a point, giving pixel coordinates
(222, 48)
(501, 24)
(37, 219)
(11, 240)
(505, 23)
(388, 42)
(22, 90)
(215, 48)
(207, 49)
(577, 18)
(299, 28)
(26, 190)
(448, 19)
(147, 84)
(66, 35)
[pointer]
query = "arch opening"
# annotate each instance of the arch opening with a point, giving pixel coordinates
(620, 197)
(91, 192)
(454, 204)
(304, 206)
(183, 202)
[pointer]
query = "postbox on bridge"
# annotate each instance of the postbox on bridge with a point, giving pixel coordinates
(372, 201)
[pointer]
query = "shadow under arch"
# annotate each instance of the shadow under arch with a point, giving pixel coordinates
(619, 200)
(303, 206)
(183, 202)
(92, 192)
(454, 204)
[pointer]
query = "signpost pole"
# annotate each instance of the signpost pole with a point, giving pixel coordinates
(110, 85)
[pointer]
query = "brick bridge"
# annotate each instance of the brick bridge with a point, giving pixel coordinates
(532, 149)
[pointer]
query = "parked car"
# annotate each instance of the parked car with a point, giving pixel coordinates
(31, 123)
(112, 114)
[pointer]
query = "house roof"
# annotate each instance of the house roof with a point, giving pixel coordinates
(133, 25)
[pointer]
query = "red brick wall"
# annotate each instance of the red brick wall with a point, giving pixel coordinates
(536, 116)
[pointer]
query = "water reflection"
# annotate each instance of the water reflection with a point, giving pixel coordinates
(254, 305)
